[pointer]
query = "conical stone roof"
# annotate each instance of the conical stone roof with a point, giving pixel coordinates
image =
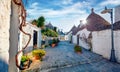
(96, 22)
(72, 29)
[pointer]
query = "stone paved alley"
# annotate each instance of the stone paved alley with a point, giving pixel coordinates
(63, 59)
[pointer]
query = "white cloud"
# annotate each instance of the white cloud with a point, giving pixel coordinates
(110, 2)
(34, 5)
(63, 18)
(62, 2)
(65, 2)
(76, 8)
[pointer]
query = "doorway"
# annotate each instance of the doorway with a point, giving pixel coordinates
(35, 38)
(77, 39)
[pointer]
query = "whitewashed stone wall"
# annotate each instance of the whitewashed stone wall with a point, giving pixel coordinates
(117, 44)
(14, 35)
(84, 44)
(66, 38)
(25, 38)
(5, 10)
(117, 13)
(74, 39)
(8, 35)
(83, 35)
(61, 37)
(101, 43)
(69, 36)
(29, 28)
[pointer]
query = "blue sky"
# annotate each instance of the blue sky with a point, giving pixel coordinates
(66, 13)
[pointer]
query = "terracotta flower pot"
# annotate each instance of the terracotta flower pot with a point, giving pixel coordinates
(53, 45)
(78, 52)
(36, 57)
(26, 64)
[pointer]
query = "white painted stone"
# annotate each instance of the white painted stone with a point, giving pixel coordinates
(5, 9)
(83, 35)
(117, 13)
(74, 39)
(68, 36)
(14, 34)
(29, 28)
(39, 39)
(82, 43)
(101, 43)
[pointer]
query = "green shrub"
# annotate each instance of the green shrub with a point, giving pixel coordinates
(53, 41)
(57, 40)
(24, 59)
(77, 48)
(49, 32)
(39, 52)
(46, 46)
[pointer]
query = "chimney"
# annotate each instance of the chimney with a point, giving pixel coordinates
(92, 10)
(81, 21)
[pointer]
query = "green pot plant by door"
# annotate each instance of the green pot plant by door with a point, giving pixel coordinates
(25, 62)
(78, 49)
(53, 43)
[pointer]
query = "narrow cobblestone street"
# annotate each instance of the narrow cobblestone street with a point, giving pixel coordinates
(62, 58)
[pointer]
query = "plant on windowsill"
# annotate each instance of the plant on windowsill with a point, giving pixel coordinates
(78, 49)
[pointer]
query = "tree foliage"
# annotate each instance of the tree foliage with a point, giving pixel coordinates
(55, 29)
(34, 22)
(41, 21)
(49, 32)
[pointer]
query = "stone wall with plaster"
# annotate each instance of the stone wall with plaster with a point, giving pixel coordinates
(5, 11)
(117, 13)
(101, 43)
(29, 28)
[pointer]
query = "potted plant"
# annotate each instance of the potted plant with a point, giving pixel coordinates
(53, 43)
(38, 54)
(25, 61)
(57, 41)
(78, 49)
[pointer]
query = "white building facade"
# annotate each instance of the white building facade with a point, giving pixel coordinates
(83, 36)
(101, 41)
(31, 29)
